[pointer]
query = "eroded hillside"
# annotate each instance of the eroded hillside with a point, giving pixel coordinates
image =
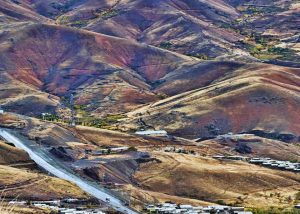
(200, 70)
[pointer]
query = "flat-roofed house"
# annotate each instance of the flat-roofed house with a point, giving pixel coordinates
(158, 133)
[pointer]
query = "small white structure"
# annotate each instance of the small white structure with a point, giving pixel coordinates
(17, 202)
(44, 115)
(158, 133)
(119, 149)
(1, 110)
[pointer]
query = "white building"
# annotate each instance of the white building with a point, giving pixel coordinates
(158, 133)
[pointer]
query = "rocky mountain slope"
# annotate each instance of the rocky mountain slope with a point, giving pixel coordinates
(198, 69)
(119, 57)
(256, 97)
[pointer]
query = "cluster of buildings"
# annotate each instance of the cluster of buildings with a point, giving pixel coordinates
(106, 151)
(283, 165)
(178, 150)
(266, 162)
(170, 208)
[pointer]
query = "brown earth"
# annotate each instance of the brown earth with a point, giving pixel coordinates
(183, 66)
(102, 71)
(44, 63)
(10, 154)
(10, 209)
(190, 27)
(23, 184)
(211, 180)
(175, 177)
(257, 147)
(20, 178)
(252, 97)
(102, 137)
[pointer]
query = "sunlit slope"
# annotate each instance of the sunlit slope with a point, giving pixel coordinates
(253, 97)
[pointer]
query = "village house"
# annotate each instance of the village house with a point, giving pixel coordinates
(1, 110)
(106, 151)
(158, 133)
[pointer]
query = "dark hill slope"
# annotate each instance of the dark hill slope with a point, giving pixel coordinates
(189, 27)
(97, 68)
(10, 11)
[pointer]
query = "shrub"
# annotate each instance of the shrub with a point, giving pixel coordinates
(166, 45)
(132, 148)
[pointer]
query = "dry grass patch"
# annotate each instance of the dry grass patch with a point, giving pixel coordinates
(10, 154)
(30, 185)
(212, 180)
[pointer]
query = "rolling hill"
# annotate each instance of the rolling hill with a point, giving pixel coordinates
(253, 97)
(187, 27)
(101, 70)
(44, 63)
(195, 68)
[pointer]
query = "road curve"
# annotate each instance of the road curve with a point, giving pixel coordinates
(41, 158)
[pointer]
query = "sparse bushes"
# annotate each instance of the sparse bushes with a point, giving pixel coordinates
(297, 198)
(51, 117)
(83, 118)
(109, 13)
(132, 149)
(221, 202)
(66, 20)
(166, 45)
(200, 56)
(63, 20)
(162, 96)
(106, 122)
(274, 210)
(79, 23)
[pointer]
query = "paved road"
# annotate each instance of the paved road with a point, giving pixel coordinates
(46, 162)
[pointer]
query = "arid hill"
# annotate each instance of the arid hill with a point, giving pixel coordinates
(187, 178)
(256, 97)
(20, 178)
(186, 27)
(12, 12)
(204, 29)
(10, 154)
(231, 182)
(45, 61)
(27, 185)
(110, 75)
(199, 69)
